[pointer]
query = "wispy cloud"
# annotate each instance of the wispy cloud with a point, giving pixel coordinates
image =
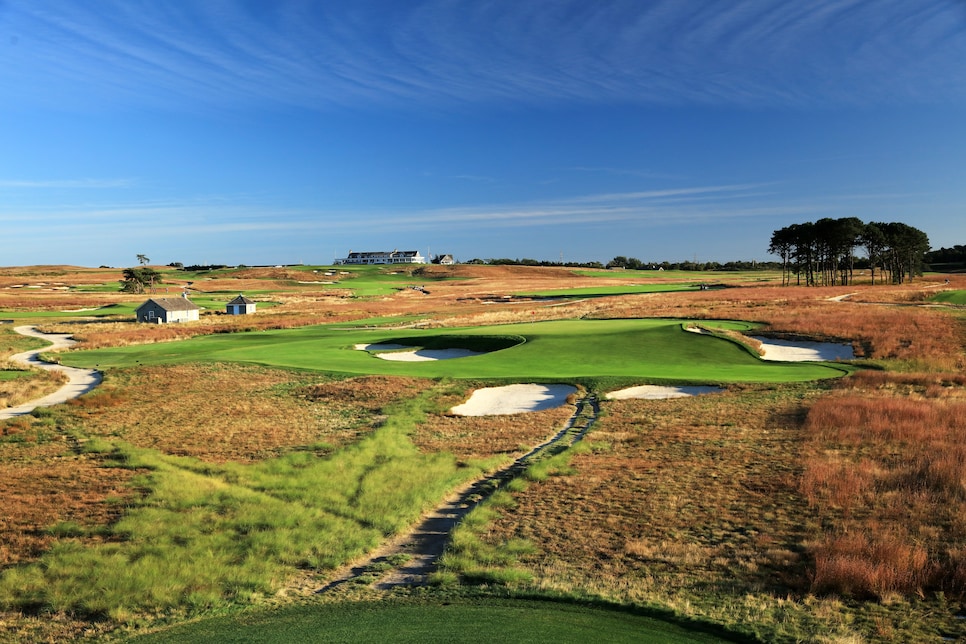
(49, 184)
(318, 55)
(210, 216)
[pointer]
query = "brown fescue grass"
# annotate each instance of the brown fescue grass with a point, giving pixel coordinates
(674, 498)
(888, 476)
(44, 484)
(37, 383)
(872, 565)
(213, 412)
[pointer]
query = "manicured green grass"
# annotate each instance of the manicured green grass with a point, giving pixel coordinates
(951, 297)
(13, 375)
(371, 281)
(652, 350)
(490, 620)
(103, 311)
(107, 287)
(687, 276)
(624, 289)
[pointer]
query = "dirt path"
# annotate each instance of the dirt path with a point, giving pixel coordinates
(421, 547)
(79, 381)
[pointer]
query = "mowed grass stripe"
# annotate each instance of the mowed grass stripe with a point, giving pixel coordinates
(605, 291)
(649, 349)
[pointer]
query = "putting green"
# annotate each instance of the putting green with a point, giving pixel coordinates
(645, 349)
(445, 621)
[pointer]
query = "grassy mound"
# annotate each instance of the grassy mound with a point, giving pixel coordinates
(458, 621)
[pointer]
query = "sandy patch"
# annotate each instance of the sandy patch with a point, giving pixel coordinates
(657, 392)
(380, 347)
(393, 352)
(803, 351)
(514, 399)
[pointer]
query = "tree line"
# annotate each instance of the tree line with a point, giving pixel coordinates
(953, 259)
(824, 252)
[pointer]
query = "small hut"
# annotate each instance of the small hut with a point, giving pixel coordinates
(163, 310)
(241, 305)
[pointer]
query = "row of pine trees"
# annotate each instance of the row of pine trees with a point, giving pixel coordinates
(823, 253)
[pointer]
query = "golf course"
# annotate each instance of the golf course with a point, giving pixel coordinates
(308, 472)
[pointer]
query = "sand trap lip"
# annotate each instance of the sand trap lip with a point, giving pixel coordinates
(658, 392)
(394, 352)
(803, 350)
(514, 399)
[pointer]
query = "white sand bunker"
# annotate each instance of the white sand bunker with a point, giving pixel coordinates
(803, 350)
(514, 399)
(657, 392)
(395, 352)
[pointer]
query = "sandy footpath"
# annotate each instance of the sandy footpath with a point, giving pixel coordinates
(79, 381)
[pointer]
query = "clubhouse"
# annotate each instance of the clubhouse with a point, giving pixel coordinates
(383, 257)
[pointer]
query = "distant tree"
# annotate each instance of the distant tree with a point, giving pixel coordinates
(874, 242)
(905, 248)
(618, 262)
(783, 244)
(143, 259)
(136, 280)
(953, 258)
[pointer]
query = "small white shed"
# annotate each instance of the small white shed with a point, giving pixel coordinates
(241, 305)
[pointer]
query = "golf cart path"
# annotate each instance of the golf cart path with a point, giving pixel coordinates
(79, 381)
(424, 544)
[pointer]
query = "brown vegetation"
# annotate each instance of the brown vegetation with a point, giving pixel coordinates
(675, 497)
(33, 384)
(213, 412)
(886, 470)
(50, 491)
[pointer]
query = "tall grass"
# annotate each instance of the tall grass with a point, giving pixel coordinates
(890, 474)
(207, 534)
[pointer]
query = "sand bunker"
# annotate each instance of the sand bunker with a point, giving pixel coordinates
(657, 392)
(394, 352)
(514, 399)
(803, 350)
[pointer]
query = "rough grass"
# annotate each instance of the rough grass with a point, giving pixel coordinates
(32, 384)
(888, 476)
(204, 536)
(210, 411)
(696, 505)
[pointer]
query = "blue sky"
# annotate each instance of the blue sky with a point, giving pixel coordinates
(282, 131)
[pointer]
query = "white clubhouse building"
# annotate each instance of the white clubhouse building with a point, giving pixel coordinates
(384, 257)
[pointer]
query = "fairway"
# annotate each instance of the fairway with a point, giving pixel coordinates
(485, 621)
(646, 349)
(606, 291)
(951, 297)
